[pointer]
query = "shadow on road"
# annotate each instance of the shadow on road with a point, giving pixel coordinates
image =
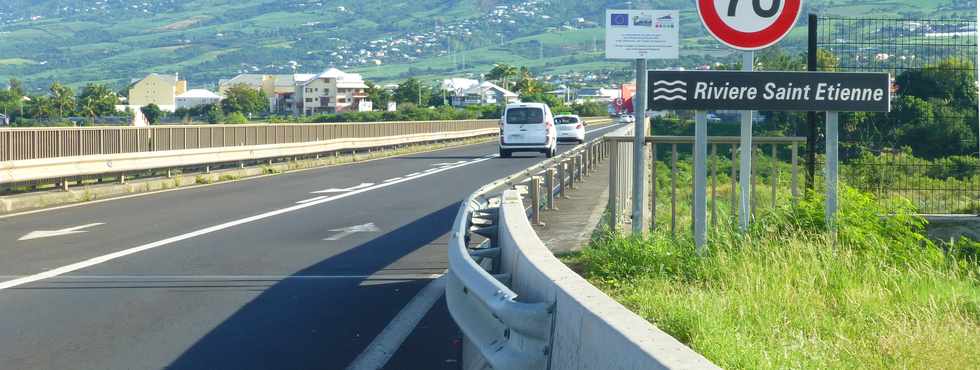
(325, 323)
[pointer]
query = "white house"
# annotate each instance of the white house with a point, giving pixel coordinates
(333, 91)
(197, 97)
(485, 93)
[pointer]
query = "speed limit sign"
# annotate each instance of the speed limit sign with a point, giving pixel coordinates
(749, 24)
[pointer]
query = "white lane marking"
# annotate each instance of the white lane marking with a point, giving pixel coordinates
(351, 230)
(441, 164)
(343, 190)
(51, 233)
(311, 199)
(392, 179)
(123, 253)
(380, 350)
(413, 174)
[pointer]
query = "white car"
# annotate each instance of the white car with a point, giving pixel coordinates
(528, 127)
(570, 128)
(626, 118)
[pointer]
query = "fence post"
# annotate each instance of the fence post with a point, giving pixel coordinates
(549, 184)
(673, 189)
(793, 179)
(653, 186)
(561, 180)
(774, 175)
(536, 200)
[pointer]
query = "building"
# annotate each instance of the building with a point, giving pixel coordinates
(485, 93)
(601, 95)
(196, 98)
(332, 91)
(456, 88)
(158, 89)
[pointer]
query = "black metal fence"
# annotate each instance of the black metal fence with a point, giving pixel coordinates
(926, 149)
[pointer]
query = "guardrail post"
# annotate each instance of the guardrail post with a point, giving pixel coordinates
(549, 184)
(64, 184)
(580, 165)
(122, 178)
(535, 191)
(570, 163)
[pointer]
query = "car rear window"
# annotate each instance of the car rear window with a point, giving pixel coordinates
(525, 116)
(566, 120)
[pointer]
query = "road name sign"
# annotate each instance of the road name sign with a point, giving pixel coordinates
(749, 24)
(642, 34)
(769, 91)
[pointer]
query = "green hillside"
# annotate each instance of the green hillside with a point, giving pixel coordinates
(114, 41)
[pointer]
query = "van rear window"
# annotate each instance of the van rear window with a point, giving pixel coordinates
(525, 116)
(566, 120)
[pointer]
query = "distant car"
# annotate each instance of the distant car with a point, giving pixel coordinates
(528, 127)
(626, 118)
(713, 118)
(570, 128)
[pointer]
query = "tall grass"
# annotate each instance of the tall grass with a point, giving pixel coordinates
(788, 294)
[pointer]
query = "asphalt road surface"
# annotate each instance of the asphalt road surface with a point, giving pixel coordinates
(296, 271)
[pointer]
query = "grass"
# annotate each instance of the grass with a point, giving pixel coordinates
(787, 294)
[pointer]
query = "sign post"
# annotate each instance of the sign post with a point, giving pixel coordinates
(747, 26)
(830, 210)
(745, 157)
(641, 35)
(700, 179)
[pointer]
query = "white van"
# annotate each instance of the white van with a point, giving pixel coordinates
(528, 127)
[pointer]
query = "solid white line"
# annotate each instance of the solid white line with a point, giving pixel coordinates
(123, 253)
(393, 179)
(380, 350)
(413, 174)
(312, 199)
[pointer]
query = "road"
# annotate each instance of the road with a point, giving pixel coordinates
(296, 271)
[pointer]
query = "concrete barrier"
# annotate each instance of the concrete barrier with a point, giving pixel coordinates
(65, 167)
(590, 329)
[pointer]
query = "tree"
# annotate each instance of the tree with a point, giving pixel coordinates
(378, 96)
(412, 91)
(62, 98)
(553, 101)
(213, 113)
(245, 100)
(502, 73)
(152, 113)
(97, 100)
(41, 107)
(235, 118)
(952, 81)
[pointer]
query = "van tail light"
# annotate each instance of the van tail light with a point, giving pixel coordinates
(579, 126)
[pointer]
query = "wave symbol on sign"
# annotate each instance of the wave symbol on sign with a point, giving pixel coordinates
(668, 91)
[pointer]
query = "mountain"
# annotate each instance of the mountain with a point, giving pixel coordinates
(115, 41)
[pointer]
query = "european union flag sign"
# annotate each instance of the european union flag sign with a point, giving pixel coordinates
(619, 19)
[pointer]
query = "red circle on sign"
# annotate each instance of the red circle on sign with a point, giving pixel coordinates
(749, 40)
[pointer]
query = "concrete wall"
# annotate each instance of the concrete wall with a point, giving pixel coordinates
(591, 330)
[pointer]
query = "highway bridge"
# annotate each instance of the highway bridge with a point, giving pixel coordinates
(301, 270)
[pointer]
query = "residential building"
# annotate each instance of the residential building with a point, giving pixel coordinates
(601, 95)
(485, 93)
(278, 88)
(332, 91)
(196, 98)
(158, 89)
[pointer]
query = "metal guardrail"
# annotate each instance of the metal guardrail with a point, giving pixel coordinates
(508, 333)
(36, 143)
(620, 173)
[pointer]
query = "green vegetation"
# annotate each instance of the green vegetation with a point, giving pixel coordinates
(786, 294)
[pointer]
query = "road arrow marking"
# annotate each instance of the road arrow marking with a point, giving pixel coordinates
(348, 231)
(50, 233)
(344, 190)
(312, 199)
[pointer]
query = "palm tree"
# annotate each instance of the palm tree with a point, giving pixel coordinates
(63, 98)
(502, 73)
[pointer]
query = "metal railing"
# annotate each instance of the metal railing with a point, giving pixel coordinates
(508, 332)
(36, 143)
(620, 174)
